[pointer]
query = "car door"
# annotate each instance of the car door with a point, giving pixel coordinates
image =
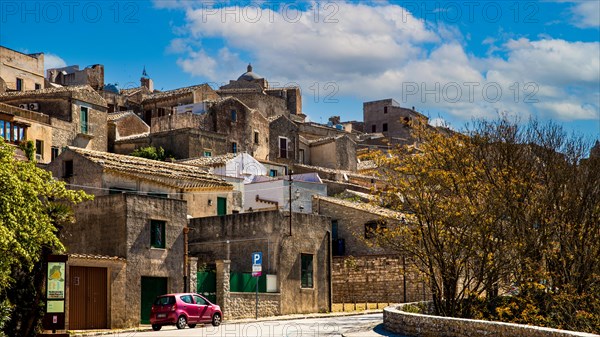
(190, 308)
(204, 312)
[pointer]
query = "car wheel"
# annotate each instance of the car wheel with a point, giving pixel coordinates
(216, 320)
(192, 326)
(181, 322)
(156, 327)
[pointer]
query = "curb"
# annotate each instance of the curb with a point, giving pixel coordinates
(145, 328)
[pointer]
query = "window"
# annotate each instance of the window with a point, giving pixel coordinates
(83, 119)
(39, 149)
(207, 154)
(373, 227)
(157, 236)
(334, 229)
(373, 128)
(19, 84)
(158, 194)
(385, 127)
(38, 86)
(385, 109)
(234, 147)
(68, 169)
(53, 152)
(186, 299)
(283, 147)
(301, 156)
(272, 173)
(199, 300)
(119, 190)
(2, 129)
(255, 137)
(306, 273)
(233, 115)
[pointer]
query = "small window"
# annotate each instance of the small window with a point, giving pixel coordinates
(83, 119)
(234, 147)
(256, 137)
(272, 173)
(373, 128)
(385, 127)
(68, 168)
(19, 84)
(207, 154)
(186, 299)
(2, 129)
(39, 148)
(54, 152)
(38, 86)
(199, 300)
(306, 273)
(334, 229)
(385, 109)
(165, 300)
(157, 235)
(233, 115)
(283, 147)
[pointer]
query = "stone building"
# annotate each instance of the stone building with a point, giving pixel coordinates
(123, 125)
(18, 125)
(388, 117)
(337, 152)
(78, 115)
(124, 250)
(299, 264)
(255, 92)
(102, 173)
(284, 141)
(159, 104)
(19, 71)
(362, 271)
(71, 75)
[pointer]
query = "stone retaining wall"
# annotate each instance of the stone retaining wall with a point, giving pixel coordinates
(243, 305)
(418, 325)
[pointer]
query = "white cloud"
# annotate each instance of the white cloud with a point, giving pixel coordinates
(53, 61)
(380, 50)
(586, 14)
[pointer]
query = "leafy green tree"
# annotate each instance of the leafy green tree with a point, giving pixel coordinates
(33, 208)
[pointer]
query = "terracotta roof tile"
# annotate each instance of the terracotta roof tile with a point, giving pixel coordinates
(209, 161)
(170, 174)
(366, 207)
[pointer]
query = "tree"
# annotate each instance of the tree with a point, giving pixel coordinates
(33, 208)
(502, 203)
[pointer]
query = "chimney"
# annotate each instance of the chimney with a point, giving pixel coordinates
(147, 82)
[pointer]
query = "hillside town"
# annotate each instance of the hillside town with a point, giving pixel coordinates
(245, 172)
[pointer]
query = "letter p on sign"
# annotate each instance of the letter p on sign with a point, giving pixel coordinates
(257, 258)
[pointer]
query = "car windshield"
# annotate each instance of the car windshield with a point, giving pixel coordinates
(165, 300)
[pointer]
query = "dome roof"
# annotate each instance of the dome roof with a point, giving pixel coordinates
(249, 75)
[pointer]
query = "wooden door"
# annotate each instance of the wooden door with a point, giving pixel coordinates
(88, 298)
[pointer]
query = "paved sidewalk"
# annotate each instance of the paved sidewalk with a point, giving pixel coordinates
(147, 327)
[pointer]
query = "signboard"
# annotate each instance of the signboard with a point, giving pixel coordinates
(256, 264)
(56, 276)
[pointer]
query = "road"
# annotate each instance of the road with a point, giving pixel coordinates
(315, 327)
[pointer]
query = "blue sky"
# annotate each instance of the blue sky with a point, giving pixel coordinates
(452, 60)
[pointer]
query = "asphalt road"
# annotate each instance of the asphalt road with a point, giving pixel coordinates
(314, 327)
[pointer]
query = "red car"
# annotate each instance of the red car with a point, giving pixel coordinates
(183, 309)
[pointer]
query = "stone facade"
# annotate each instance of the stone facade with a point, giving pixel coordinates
(333, 152)
(376, 279)
(37, 129)
(65, 107)
(71, 75)
(122, 125)
(162, 103)
(387, 117)
(119, 225)
(28, 69)
(411, 324)
(282, 127)
(234, 238)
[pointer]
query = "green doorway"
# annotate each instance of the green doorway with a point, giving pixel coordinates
(151, 288)
(221, 206)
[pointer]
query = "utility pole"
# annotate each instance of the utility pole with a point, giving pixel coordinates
(290, 195)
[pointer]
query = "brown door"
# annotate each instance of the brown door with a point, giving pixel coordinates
(87, 298)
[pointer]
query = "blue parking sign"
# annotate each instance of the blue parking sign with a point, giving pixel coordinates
(257, 258)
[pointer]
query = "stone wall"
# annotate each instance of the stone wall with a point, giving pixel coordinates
(375, 278)
(243, 305)
(283, 127)
(28, 67)
(410, 324)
